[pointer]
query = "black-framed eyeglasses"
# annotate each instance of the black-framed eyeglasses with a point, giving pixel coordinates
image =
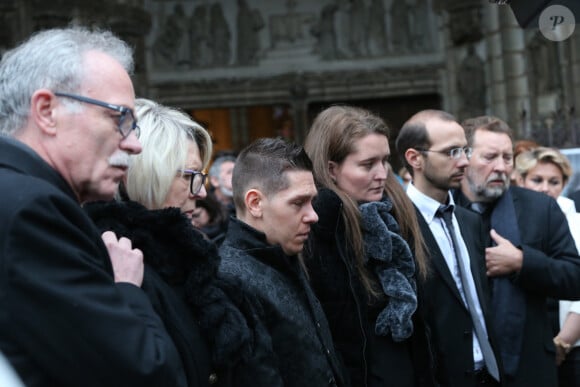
(127, 121)
(196, 181)
(454, 153)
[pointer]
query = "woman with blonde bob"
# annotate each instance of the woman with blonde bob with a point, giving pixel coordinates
(155, 212)
(547, 170)
(173, 144)
(360, 264)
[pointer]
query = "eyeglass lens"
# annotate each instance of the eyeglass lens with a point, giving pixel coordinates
(127, 123)
(197, 180)
(456, 152)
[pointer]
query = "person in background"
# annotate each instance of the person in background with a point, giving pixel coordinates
(360, 265)
(531, 254)
(405, 176)
(547, 170)
(73, 311)
(220, 178)
(211, 219)
(521, 146)
(455, 295)
(273, 192)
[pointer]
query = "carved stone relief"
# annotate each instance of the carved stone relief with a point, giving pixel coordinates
(126, 19)
(465, 21)
(471, 84)
(266, 34)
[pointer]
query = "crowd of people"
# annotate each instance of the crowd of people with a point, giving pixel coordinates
(307, 265)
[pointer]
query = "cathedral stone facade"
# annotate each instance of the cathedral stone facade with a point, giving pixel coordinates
(250, 68)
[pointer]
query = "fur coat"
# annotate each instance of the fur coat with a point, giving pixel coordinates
(180, 280)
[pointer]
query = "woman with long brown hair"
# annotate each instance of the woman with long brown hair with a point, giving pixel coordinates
(365, 255)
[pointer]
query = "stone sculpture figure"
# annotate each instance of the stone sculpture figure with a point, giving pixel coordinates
(471, 84)
(221, 36)
(249, 24)
(377, 35)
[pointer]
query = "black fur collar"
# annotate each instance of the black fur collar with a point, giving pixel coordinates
(170, 244)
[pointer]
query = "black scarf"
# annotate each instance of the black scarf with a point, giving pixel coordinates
(508, 300)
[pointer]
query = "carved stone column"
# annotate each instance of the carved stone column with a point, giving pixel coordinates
(495, 59)
(515, 71)
(575, 96)
(299, 93)
(465, 76)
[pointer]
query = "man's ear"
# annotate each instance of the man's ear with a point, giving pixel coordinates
(414, 158)
(42, 111)
(254, 200)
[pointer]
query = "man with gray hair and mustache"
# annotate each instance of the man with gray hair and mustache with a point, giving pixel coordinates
(531, 255)
(72, 311)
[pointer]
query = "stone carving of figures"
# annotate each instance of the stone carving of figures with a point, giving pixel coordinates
(250, 22)
(358, 28)
(199, 32)
(400, 26)
(221, 36)
(170, 47)
(377, 41)
(471, 84)
(326, 33)
(419, 25)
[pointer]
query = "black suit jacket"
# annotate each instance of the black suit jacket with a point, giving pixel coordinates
(448, 320)
(551, 268)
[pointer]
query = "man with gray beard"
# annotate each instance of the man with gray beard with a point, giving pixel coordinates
(531, 254)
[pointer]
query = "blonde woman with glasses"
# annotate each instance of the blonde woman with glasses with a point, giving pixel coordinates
(155, 210)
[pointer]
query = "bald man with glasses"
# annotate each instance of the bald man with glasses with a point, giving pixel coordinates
(433, 147)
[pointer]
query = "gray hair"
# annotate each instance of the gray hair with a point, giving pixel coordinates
(51, 59)
(165, 136)
(217, 164)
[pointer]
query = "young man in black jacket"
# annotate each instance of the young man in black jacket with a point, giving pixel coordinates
(273, 191)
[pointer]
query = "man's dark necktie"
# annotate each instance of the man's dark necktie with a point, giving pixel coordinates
(446, 212)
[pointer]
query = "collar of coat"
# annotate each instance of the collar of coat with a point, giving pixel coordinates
(243, 237)
(170, 244)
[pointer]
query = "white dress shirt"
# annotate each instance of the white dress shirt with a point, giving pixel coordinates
(428, 208)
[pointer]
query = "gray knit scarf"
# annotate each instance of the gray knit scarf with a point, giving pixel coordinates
(390, 257)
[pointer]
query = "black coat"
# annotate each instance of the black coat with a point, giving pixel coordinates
(292, 343)
(551, 268)
(63, 320)
(180, 280)
(370, 359)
